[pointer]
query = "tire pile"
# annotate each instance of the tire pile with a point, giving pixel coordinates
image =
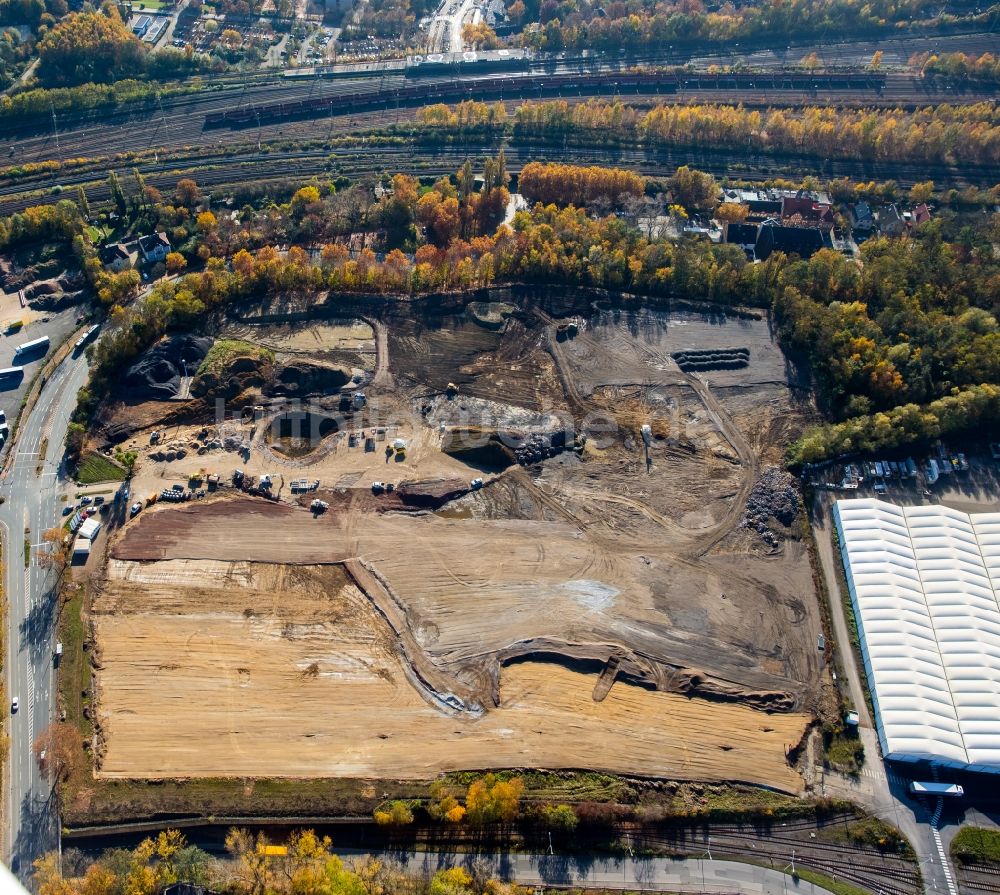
(698, 359)
(773, 499)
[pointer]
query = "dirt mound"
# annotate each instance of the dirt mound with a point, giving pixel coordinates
(241, 373)
(157, 374)
(490, 314)
(693, 360)
(301, 378)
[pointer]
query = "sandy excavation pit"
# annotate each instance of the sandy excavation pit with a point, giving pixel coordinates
(514, 625)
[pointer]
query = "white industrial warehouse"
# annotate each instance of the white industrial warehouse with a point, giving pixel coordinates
(925, 584)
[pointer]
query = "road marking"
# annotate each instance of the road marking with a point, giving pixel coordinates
(936, 834)
(31, 702)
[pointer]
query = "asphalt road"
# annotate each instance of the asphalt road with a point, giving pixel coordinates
(701, 875)
(30, 489)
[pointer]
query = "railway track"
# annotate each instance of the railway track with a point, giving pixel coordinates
(859, 865)
(181, 121)
(436, 160)
(979, 877)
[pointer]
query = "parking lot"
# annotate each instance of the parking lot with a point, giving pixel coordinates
(964, 481)
(57, 326)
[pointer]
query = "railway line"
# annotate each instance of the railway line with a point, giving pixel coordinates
(419, 159)
(855, 864)
(304, 112)
(532, 86)
(979, 877)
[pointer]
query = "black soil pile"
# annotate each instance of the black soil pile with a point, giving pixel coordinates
(157, 374)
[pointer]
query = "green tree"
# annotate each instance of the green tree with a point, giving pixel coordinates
(81, 201)
(560, 817)
(127, 459)
(117, 194)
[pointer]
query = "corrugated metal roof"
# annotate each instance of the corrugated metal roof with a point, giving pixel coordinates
(924, 583)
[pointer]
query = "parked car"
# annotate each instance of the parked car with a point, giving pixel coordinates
(136, 507)
(84, 501)
(98, 500)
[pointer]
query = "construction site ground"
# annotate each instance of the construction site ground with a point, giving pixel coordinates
(264, 670)
(606, 607)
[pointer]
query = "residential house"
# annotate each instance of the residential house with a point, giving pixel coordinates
(742, 235)
(775, 237)
(921, 214)
(890, 222)
(119, 256)
(154, 247)
(804, 211)
(862, 218)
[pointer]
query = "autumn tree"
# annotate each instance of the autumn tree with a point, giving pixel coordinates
(252, 867)
(443, 805)
(451, 881)
(694, 189)
(207, 222)
(303, 198)
(397, 211)
(89, 47)
(187, 194)
(490, 800)
(922, 191)
(479, 35)
(116, 288)
(48, 879)
(377, 876)
(578, 185)
(63, 748)
(440, 216)
(732, 212)
(394, 814)
(55, 555)
(175, 262)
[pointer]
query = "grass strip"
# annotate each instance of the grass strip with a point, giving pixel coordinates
(95, 468)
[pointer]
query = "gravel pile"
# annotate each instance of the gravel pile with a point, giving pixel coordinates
(774, 497)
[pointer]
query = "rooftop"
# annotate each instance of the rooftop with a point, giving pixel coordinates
(925, 583)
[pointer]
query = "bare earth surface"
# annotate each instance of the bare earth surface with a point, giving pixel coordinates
(263, 670)
(514, 624)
